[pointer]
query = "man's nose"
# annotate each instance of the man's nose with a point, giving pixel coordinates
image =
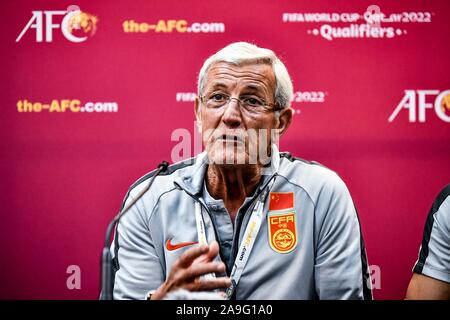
(232, 116)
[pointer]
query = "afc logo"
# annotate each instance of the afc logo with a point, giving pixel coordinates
(75, 26)
(415, 102)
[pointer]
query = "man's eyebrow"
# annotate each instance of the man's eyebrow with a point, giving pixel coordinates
(249, 87)
(253, 87)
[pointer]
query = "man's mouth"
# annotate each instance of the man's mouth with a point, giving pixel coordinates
(230, 138)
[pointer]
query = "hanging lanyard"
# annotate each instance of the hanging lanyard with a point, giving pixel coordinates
(248, 240)
(201, 231)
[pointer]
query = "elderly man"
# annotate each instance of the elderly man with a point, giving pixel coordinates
(233, 220)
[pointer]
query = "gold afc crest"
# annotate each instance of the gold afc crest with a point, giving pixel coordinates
(282, 232)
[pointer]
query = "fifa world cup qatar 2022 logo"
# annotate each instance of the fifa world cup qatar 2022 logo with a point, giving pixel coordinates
(76, 26)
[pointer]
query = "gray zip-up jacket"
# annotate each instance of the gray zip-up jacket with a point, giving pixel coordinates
(317, 253)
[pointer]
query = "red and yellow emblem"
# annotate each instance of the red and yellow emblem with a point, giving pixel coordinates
(282, 232)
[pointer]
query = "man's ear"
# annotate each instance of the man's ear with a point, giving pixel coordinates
(284, 119)
(197, 111)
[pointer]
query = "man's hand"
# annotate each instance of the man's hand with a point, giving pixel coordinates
(188, 269)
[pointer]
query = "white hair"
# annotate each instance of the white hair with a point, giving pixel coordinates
(239, 53)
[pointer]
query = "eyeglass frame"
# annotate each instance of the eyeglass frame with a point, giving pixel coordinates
(274, 107)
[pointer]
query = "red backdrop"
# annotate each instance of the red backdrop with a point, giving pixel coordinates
(65, 171)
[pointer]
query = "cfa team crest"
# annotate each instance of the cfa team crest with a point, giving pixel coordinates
(282, 232)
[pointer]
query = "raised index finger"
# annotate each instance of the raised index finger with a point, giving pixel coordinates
(210, 255)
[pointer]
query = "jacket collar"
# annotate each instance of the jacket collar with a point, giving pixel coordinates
(192, 181)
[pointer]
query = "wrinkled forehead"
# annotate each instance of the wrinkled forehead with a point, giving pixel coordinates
(257, 75)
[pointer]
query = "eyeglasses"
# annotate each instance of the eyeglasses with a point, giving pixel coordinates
(250, 103)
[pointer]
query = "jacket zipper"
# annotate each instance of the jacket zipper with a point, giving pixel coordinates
(235, 231)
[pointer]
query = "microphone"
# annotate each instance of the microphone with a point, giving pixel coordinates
(107, 286)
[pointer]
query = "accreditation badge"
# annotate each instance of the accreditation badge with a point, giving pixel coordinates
(282, 231)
